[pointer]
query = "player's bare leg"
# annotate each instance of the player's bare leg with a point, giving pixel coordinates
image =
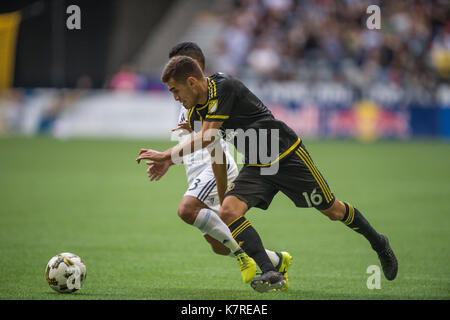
(336, 211)
(232, 209)
(351, 217)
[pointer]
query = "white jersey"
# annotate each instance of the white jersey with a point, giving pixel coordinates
(197, 162)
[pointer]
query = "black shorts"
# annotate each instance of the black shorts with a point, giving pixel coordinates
(297, 177)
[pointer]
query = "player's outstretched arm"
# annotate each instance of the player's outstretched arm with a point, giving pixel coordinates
(153, 155)
(198, 141)
(156, 170)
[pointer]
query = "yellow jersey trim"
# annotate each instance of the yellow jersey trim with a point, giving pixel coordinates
(281, 156)
(216, 116)
(190, 111)
(211, 93)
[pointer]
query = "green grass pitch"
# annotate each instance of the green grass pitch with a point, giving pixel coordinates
(91, 198)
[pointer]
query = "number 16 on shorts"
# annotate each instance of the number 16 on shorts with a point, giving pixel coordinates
(314, 199)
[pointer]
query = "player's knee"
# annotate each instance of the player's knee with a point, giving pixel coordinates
(187, 213)
(231, 209)
(227, 214)
(336, 212)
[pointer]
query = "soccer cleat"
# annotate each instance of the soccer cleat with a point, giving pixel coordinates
(270, 280)
(247, 266)
(285, 263)
(388, 260)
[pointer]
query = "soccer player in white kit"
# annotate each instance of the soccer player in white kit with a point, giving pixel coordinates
(202, 199)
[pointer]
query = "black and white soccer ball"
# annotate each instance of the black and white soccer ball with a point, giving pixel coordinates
(65, 272)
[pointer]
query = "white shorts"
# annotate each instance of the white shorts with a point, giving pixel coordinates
(204, 187)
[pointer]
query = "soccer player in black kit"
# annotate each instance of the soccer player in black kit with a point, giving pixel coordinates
(275, 160)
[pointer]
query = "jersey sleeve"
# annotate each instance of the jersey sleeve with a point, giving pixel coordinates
(220, 108)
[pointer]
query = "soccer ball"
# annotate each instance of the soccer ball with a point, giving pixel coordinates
(65, 272)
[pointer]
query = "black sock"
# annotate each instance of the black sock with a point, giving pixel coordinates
(356, 221)
(249, 240)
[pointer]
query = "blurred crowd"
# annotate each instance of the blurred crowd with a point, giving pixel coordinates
(310, 41)
(322, 40)
(325, 40)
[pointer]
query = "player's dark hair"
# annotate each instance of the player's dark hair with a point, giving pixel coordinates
(189, 49)
(180, 68)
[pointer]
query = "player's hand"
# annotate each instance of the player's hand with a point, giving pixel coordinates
(153, 155)
(156, 170)
(183, 125)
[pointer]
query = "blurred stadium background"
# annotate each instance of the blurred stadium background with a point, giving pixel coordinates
(76, 106)
(315, 64)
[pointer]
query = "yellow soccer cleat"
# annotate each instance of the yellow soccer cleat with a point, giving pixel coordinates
(247, 266)
(284, 266)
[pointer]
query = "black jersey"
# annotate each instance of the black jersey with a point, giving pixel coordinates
(253, 129)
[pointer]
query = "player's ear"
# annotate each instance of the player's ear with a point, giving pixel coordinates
(191, 81)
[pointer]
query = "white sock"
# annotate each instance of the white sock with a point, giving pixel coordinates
(208, 221)
(274, 258)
